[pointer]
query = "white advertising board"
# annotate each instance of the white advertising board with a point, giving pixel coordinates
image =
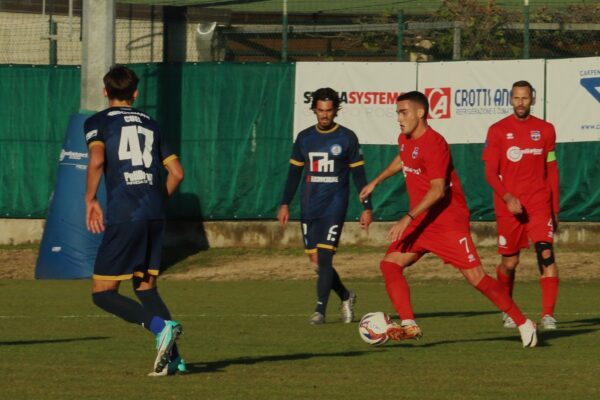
(573, 98)
(368, 92)
(466, 97)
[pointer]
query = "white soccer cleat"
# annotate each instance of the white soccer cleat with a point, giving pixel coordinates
(316, 318)
(508, 322)
(528, 332)
(549, 322)
(348, 308)
(411, 329)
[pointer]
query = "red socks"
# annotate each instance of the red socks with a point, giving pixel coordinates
(508, 281)
(549, 294)
(397, 288)
(495, 291)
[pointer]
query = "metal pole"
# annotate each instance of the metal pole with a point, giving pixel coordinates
(97, 50)
(526, 29)
(53, 39)
(400, 44)
(284, 37)
(457, 44)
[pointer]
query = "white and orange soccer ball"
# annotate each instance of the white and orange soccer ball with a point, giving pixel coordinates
(373, 327)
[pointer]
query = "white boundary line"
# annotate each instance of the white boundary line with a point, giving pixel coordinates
(219, 316)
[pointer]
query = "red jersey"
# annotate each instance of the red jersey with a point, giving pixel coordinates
(520, 150)
(425, 159)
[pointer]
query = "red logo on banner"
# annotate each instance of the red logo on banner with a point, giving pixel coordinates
(439, 102)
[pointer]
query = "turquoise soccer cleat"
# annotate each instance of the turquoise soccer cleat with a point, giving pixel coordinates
(164, 343)
(175, 366)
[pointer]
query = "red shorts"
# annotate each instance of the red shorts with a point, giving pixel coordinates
(514, 233)
(455, 248)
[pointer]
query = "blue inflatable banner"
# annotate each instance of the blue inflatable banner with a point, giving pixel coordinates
(68, 249)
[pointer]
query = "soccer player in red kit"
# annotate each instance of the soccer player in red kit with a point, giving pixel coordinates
(521, 168)
(437, 222)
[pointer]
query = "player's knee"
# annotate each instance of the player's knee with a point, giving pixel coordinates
(510, 263)
(104, 299)
(387, 268)
(545, 255)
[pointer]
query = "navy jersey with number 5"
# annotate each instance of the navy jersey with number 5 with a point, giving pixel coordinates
(327, 157)
(134, 154)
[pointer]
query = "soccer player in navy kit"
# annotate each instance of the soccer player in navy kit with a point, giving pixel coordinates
(327, 152)
(126, 145)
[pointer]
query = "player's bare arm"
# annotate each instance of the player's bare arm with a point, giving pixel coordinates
(435, 193)
(94, 216)
(392, 169)
(283, 215)
(366, 217)
(174, 177)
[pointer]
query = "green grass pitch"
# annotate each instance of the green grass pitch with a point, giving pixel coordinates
(251, 340)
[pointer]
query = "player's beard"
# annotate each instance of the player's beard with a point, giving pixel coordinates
(522, 114)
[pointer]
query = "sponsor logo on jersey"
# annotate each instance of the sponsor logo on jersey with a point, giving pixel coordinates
(126, 112)
(91, 134)
(409, 170)
(322, 179)
(510, 136)
(138, 177)
(439, 102)
(415, 153)
(535, 135)
(320, 162)
(515, 153)
(336, 149)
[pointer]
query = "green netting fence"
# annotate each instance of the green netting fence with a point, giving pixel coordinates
(232, 126)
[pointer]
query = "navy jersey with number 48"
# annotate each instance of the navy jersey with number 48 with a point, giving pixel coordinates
(327, 157)
(134, 154)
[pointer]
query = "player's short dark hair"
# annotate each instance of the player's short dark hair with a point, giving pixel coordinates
(325, 94)
(523, 84)
(416, 97)
(120, 83)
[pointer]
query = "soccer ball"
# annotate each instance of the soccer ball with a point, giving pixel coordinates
(373, 327)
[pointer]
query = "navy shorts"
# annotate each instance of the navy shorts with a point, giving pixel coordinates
(130, 249)
(323, 233)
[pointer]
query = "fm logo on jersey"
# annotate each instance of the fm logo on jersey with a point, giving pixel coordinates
(320, 162)
(439, 102)
(535, 135)
(510, 136)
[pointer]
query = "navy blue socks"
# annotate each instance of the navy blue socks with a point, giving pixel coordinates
(325, 279)
(125, 308)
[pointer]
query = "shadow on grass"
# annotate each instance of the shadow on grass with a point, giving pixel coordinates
(219, 366)
(50, 341)
(544, 337)
(446, 314)
(580, 323)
